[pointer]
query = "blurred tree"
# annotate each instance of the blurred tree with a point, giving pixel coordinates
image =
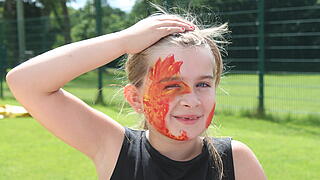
(40, 35)
(61, 14)
(140, 10)
(32, 11)
(83, 21)
(113, 19)
(1, 9)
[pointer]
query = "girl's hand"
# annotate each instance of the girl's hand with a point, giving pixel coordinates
(150, 30)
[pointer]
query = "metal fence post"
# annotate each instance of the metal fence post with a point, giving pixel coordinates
(2, 68)
(21, 31)
(261, 55)
(99, 99)
(2, 58)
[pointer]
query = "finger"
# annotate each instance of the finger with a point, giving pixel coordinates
(172, 18)
(177, 20)
(170, 30)
(175, 24)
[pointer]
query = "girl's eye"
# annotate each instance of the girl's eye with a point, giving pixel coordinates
(203, 85)
(172, 86)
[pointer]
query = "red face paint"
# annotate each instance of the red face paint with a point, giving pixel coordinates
(209, 119)
(157, 97)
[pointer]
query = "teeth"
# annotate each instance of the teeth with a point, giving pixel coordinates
(187, 118)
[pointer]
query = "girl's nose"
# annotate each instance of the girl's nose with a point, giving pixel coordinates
(190, 100)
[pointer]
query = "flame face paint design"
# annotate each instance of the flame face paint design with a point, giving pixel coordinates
(159, 94)
(209, 119)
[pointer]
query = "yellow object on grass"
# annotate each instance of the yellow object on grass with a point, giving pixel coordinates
(12, 111)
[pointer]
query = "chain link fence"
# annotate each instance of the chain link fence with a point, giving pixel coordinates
(291, 63)
(290, 47)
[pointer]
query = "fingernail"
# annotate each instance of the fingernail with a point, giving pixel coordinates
(192, 27)
(183, 29)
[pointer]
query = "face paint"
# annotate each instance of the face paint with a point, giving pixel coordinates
(164, 86)
(208, 122)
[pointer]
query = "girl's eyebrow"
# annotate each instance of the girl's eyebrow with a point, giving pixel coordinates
(177, 78)
(206, 77)
(173, 78)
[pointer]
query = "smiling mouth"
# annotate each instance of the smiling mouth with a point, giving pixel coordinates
(187, 119)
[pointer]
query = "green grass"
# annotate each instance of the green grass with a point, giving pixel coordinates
(291, 94)
(28, 151)
(286, 149)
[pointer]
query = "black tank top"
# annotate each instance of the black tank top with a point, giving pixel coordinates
(138, 160)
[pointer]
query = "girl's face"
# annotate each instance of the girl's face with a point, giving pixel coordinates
(179, 92)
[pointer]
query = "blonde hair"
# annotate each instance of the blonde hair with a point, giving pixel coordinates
(137, 65)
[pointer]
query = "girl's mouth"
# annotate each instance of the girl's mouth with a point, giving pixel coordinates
(187, 119)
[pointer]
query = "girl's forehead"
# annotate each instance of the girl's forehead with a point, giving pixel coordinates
(182, 53)
(192, 58)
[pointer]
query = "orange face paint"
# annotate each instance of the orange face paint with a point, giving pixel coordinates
(157, 97)
(209, 119)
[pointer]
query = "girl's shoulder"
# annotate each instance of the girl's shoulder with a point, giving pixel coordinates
(246, 165)
(222, 144)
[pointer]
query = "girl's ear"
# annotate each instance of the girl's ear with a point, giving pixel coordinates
(132, 95)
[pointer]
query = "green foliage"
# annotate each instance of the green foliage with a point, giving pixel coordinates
(113, 20)
(33, 29)
(40, 29)
(83, 21)
(1, 10)
(140, 10)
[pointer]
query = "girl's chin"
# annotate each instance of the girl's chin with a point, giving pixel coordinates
(190, 134)
(192, 131)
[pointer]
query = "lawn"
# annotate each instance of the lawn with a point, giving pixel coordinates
(286, 150)
(291, 93)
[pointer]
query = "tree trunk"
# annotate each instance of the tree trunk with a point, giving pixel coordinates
(66, 22)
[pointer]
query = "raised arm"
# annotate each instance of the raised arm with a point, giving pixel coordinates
(37, 84)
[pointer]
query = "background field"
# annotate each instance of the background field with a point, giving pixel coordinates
(291, 94)
(286, 149)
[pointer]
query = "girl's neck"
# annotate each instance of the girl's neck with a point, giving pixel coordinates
(175, 150)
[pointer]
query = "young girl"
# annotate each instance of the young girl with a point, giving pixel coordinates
(173, 68)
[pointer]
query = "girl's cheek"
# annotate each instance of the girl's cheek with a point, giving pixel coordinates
(206, 95)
